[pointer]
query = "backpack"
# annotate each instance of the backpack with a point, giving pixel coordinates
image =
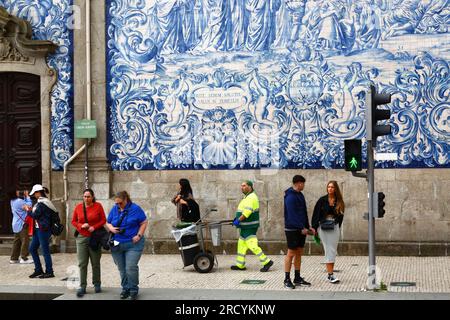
(56, 227)
(191, 213)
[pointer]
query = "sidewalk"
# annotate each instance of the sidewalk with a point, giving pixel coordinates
(160, 274)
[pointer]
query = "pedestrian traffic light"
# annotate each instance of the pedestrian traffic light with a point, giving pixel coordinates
(353, 155)
(373, 115)
(379, 205)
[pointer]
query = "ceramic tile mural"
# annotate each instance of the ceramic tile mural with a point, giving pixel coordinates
(273, 83)
(49, 21)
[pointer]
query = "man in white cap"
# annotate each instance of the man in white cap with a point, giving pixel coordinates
(41, 214)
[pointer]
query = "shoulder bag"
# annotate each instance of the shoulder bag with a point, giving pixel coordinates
(327, 225)
(99, 237)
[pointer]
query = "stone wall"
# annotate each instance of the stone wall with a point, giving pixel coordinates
(417, 219)
(417, 203)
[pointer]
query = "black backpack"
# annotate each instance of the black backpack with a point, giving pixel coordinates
(191, 212)
(56, 227)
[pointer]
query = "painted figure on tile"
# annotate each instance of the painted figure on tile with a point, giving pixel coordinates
(262, 23)
(170, 38)
(218, 33)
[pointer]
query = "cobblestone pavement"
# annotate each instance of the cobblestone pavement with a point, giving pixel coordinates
(431, 274)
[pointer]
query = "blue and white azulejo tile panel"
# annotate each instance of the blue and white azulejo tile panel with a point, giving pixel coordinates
(273, 83)
(50, 20)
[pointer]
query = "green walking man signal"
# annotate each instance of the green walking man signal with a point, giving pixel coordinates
(354, 164)
(353, 155)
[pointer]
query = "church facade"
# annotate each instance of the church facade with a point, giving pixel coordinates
(226, 90)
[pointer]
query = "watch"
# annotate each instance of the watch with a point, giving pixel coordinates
(139, 235)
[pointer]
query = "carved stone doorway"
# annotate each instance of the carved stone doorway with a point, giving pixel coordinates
(20, 138)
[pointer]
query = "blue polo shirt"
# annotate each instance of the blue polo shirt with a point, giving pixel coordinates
(130, 223)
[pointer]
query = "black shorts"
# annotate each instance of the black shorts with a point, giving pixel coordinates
(295, 239)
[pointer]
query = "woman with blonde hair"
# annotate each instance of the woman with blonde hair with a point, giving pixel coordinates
(327, 220)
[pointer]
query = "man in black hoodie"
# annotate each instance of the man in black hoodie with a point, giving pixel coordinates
(296, 227)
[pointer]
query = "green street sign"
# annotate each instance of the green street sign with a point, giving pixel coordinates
(85, 129)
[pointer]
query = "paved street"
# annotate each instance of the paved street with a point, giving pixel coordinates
(162, 277)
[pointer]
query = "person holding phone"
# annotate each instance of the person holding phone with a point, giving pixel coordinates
(127, 221)
(20, 203)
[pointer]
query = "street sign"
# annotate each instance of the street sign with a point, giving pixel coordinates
(386, 156)
(85, 129)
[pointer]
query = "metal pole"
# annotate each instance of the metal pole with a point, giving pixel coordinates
(370, 174)
(86, 176)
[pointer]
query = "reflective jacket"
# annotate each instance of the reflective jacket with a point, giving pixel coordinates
(249, 207)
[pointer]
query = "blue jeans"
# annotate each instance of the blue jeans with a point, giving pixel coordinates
(126, 257)
(41, 238)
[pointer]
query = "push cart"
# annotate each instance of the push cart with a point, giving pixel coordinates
(191, 242)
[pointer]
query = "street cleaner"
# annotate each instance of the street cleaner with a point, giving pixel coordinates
(247, 220)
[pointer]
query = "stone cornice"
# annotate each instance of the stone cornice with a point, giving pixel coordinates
(16, 44)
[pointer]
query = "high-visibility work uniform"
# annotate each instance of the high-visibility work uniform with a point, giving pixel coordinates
(249, 207)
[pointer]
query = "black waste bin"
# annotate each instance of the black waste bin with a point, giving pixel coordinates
(189, 247)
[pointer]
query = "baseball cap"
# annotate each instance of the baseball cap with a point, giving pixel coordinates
(36, 187)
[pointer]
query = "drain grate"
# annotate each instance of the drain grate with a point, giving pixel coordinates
(253, 281)
(403, 284)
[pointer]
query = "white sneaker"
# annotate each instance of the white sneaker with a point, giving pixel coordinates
(331, 278)
(13, 261)
(28, 261)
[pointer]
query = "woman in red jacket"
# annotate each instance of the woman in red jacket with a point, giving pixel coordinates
(87, 217)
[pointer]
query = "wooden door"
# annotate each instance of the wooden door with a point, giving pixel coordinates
(20, 138)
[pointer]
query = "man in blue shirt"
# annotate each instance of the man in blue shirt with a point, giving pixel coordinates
(296, 227)
(19, 202)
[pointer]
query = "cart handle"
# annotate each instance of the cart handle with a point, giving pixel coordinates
(208, 211)
(226, 222)
(204, 224)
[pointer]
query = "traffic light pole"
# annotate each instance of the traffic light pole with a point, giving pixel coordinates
(370, 178)
(373, 130)
(371, 186)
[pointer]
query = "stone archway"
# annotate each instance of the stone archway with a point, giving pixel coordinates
(19, 53)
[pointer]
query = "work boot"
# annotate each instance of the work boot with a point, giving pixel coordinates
(267, 266)
(237, 268)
